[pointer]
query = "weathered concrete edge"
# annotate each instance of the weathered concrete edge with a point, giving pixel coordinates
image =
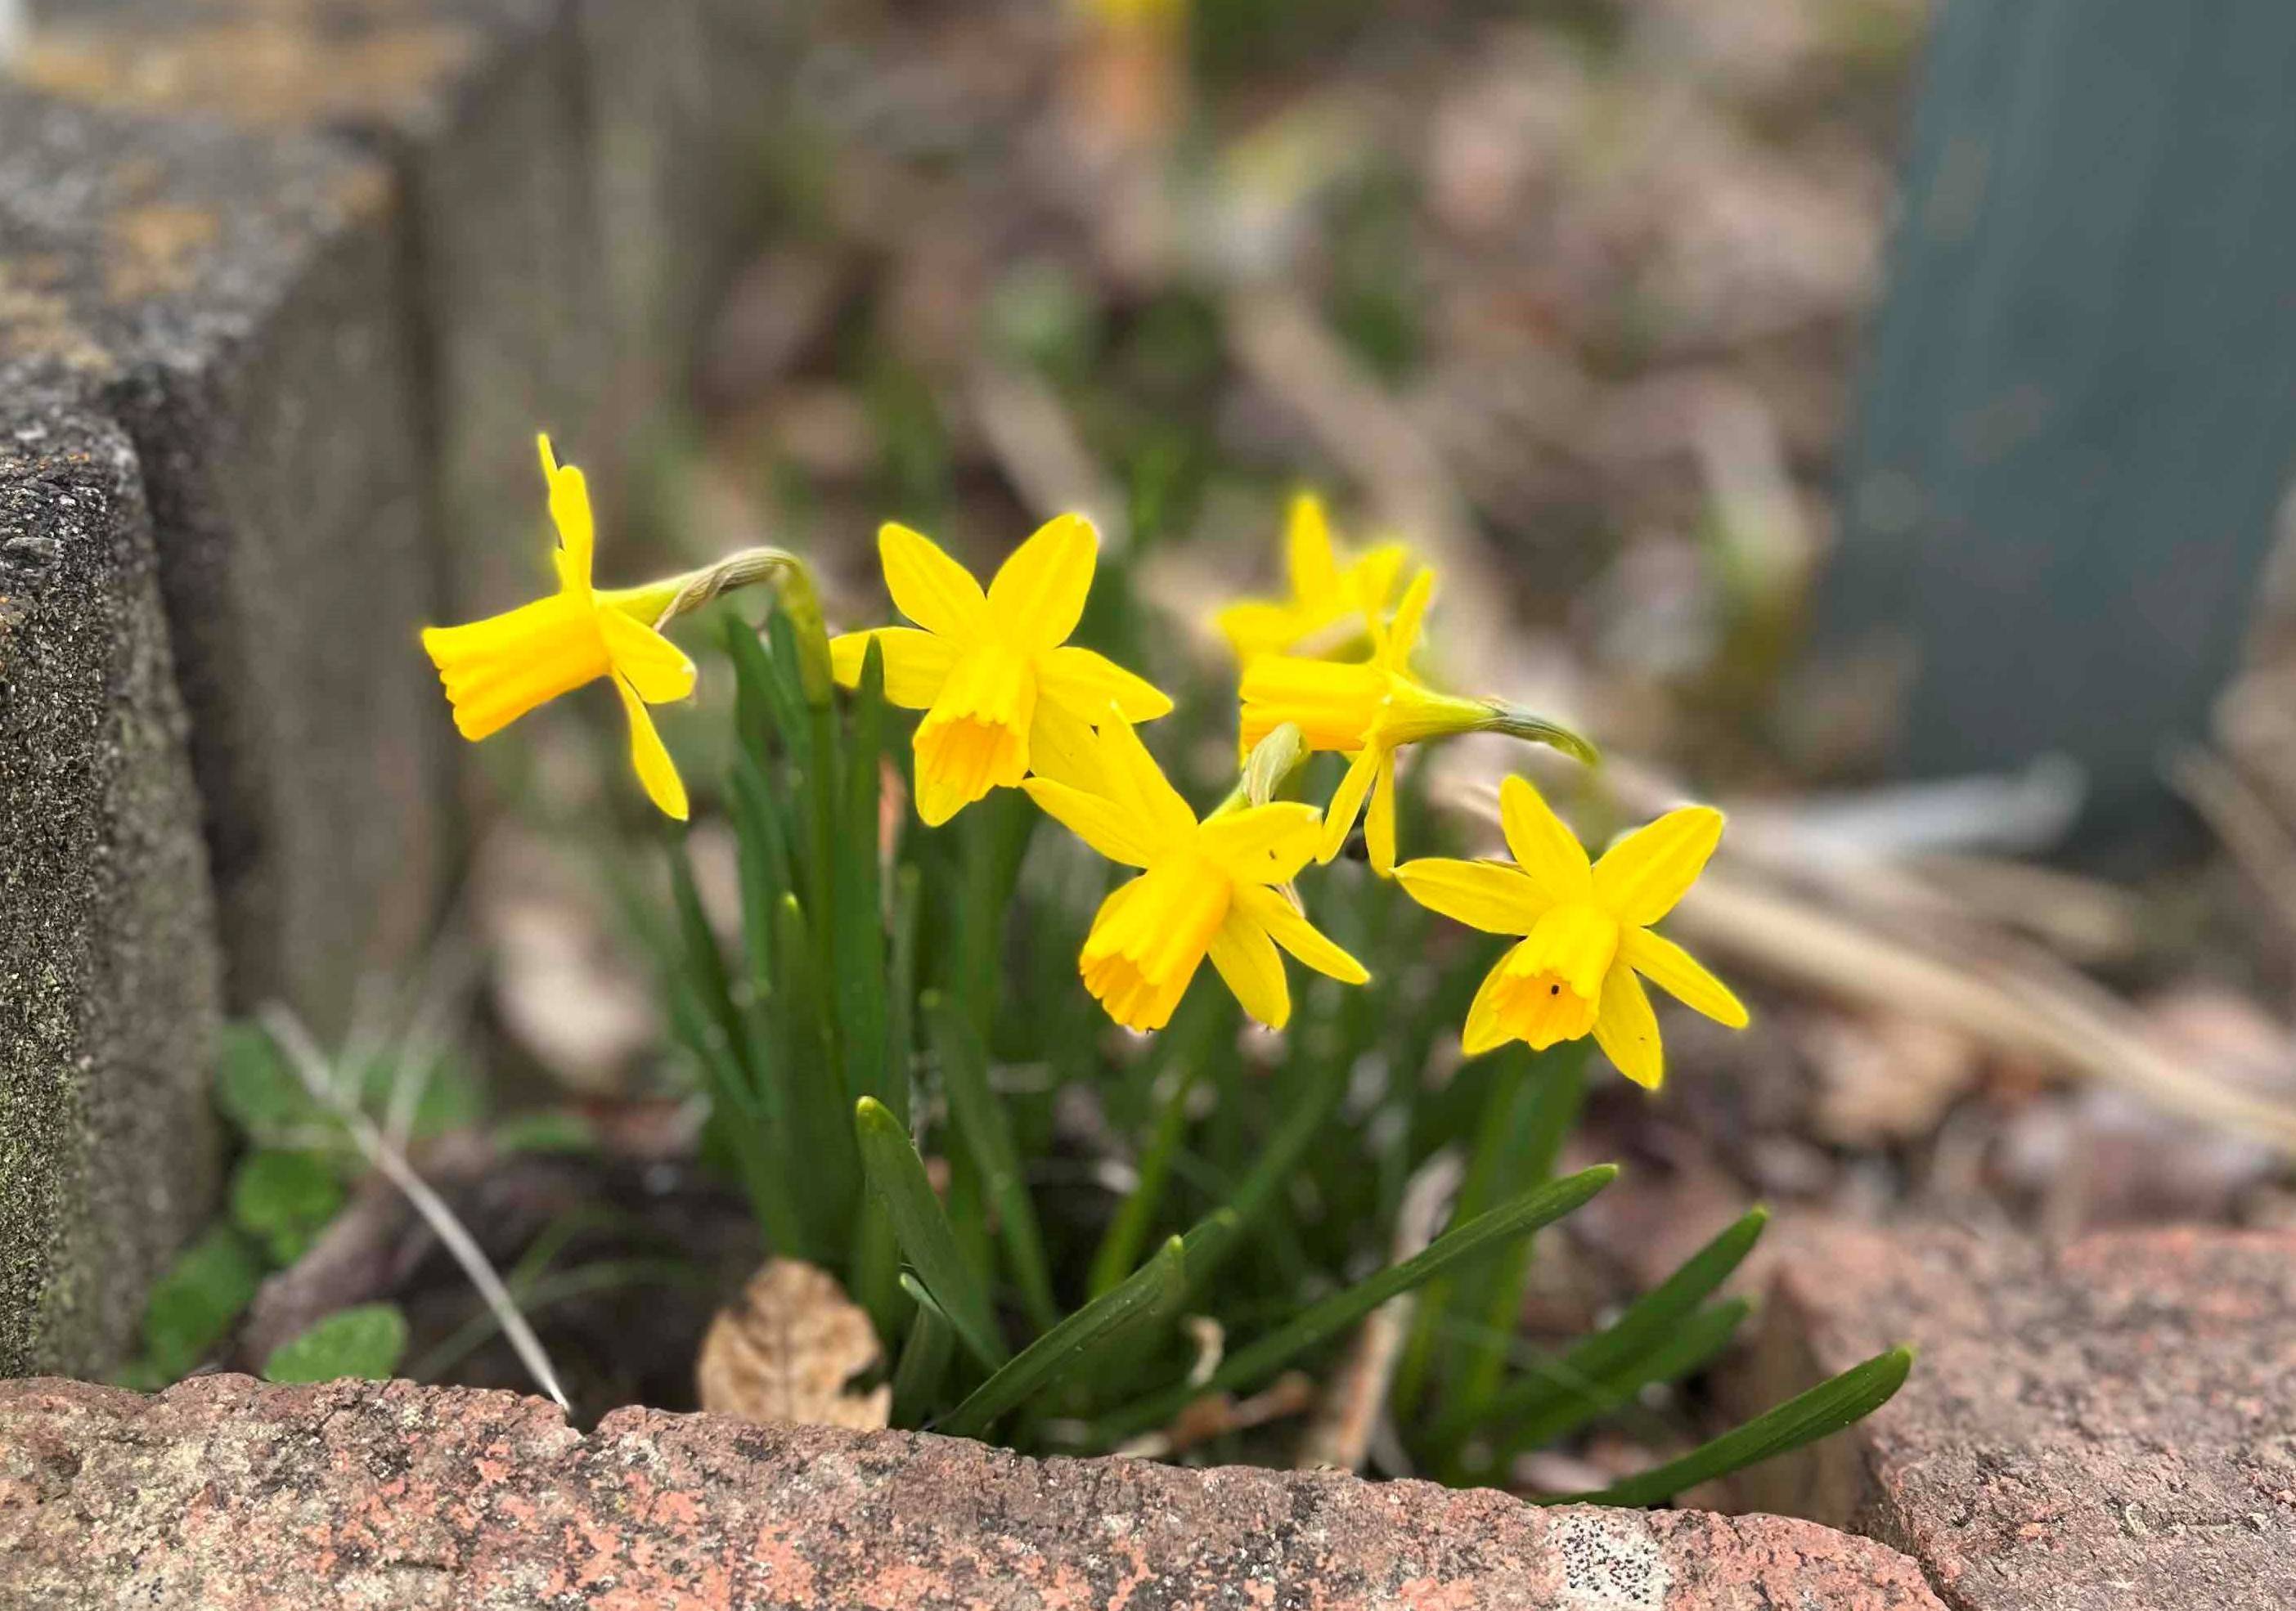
(107, 952)
(224, 1492)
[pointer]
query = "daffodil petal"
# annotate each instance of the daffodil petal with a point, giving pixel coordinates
(1640, 878)
(1308, 558)
(656, 669)
(1372, 575)
(496, 670)
(1062, 747)
(570, 512)
(1548, 852)
(1378, 819)
(1627, 1029)
(1289, 927)
(1486, 1025)
(1088, 683)
(1263, 844)
(656, 771)
(1489, 895)
(1247, 960)
(1038, 595)
(1402, 633)
(1100, 822)
(1254, 627)
(1681, 976)
(975, 736)
(1347, 801)
(917, 663)
(1134, 781)
(930, 588)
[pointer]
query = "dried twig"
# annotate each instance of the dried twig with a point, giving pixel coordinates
(311, 1066)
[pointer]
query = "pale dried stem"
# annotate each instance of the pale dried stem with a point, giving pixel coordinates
(312, 1068)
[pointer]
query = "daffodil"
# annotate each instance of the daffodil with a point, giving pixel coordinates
(1003, 691)
(1587, 934)
(1327, 594)
(1369, 710)
(1209, 888)
(496, 670)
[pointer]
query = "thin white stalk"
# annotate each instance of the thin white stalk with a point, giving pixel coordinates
(310, 1064)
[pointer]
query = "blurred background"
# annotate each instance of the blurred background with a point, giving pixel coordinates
(1871, 416)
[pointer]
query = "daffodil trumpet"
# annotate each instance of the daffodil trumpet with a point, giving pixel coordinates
(1370, 709)
(1211, 888)
(1586, 942)
(496, 670)
(1004, 693)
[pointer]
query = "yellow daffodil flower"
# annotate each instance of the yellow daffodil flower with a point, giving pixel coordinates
(1586, 931)
(1371, 709)
(1003, 690)
(1326, 594)
(1209, 889)
(496, 670)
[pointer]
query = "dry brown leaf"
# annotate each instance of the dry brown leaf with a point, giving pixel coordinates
(787, 1352)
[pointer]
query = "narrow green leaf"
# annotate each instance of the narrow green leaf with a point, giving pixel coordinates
(1155, 1289)
(366, 1341)
(858, 925)
(821, 1135)
(897, 1175)
(1546, 1106)
(1804, 1419)
(763, 843)
(981, 1125)
(1642, 1327)
(900, 1008)
(1540, 1205)
(1691, 1346)
(924, 1364)
(1128, 1229)
(704, 963)
(759, 1144)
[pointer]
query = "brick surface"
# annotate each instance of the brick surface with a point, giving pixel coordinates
(224, 1494)
(2108, 1425)
(109, 974)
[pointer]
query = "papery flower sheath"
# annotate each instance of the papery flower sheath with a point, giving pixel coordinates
(496, 670)
(1329, 595)
(1587, 943)
(1003, 691)
(1209, 889)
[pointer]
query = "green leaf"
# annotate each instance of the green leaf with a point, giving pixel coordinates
(821, 1136)
(554, 1130)
(981, 1125)
(1520, 1215)
(365, 1341)
(1690, 1347)
(762, 838)
(192, 1307)
(1127, 1228)
(924, 1359)
(858, 927)
(258, 1091)
(897, 1175)
(284, 1199)
(1156, 1289)
(1804, 1419)
(1641, 1329)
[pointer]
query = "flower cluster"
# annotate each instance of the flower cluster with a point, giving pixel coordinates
(1009, 703)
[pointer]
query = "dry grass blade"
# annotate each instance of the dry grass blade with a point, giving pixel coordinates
(2250, 830)
(1042, 453)
(2006, 996)
(311, 1066)
(789, 1352)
